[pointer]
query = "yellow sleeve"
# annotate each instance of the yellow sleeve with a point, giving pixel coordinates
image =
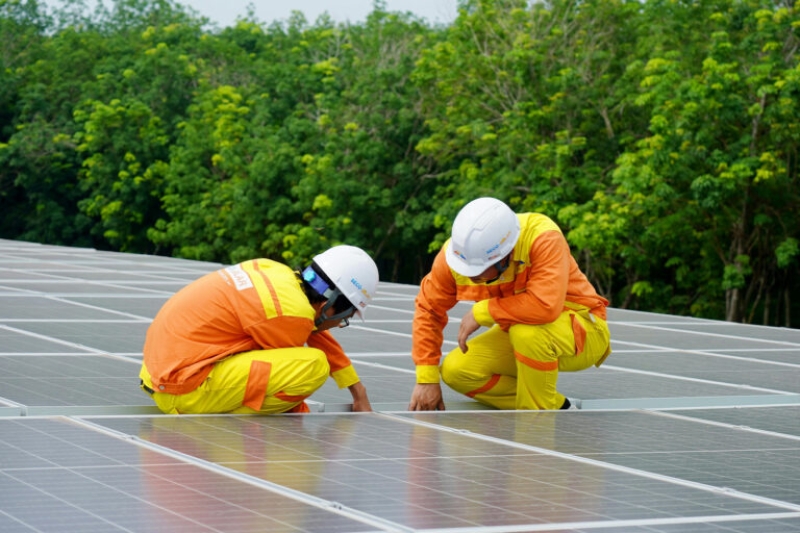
(480, 310)
(345, 377)
(427, 373)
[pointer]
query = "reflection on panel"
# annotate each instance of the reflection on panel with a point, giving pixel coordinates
(70, 380)
(726, 457)
(427, 477)
(58, 476)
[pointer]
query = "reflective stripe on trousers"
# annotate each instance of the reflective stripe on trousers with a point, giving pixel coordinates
(519, 369)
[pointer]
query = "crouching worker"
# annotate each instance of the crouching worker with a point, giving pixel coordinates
(542, 314)
(253, 337)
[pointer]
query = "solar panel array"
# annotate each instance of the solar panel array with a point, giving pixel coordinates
(691, 425)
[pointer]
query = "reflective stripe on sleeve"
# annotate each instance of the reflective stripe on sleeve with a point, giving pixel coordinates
(266, 292)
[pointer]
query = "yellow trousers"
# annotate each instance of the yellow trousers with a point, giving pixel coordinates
(261, 381)
(518, 369)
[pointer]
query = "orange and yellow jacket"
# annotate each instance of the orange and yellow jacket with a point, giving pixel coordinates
(541, 281)
(255, 305)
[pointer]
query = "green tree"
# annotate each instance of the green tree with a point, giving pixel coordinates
(228, 185)
(525, 102)
(703, 215)
(130, 117)
(662, 135)
(40, 79)
(367, 185)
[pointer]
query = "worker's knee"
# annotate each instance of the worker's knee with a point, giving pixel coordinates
(316, 370)
(533, 341)
(464, 373)
(452, 368)
(448, 372)
(316, 358)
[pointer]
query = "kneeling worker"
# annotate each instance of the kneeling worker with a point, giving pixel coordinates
(253, 337)
(542, 313)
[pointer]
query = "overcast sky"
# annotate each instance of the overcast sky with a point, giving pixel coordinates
(224, 12)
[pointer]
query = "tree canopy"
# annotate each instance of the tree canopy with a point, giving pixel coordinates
(661, 135)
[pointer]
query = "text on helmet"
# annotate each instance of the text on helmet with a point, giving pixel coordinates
(362, 290)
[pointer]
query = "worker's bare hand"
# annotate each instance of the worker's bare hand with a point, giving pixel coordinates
(362, 406)
(360, 398)
(426, 397)
(468, 326)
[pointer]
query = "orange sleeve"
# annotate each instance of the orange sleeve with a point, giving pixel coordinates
(545, 288)
(437, 295)
(342, 369)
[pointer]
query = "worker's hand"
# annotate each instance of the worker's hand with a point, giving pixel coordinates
(468, 326)
(360, 399)
(426, 397)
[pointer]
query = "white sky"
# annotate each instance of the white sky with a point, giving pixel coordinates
(225, 12)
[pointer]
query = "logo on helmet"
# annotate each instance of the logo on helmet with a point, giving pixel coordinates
(361, 289)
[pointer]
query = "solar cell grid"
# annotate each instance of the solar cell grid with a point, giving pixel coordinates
(390, 468)
(769, 376)
(783, 420)
(81, 448)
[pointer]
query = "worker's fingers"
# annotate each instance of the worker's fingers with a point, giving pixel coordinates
(468, 326)
(418, 406)
(464, 331)
(362, 407)
(426, 397)
(463, 335)
(462, 343)
(413, 404)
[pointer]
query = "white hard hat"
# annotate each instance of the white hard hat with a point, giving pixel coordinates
(484, 232)
(352, 271)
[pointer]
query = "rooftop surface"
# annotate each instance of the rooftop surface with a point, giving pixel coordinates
(691, 425)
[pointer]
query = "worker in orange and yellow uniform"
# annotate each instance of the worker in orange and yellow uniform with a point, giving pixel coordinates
(253, 337)
(542, 313)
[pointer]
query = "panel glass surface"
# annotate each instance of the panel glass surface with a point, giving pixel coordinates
(726, 457)
(72, 326)
(770, 377)
(57, 476)
(423, 476)
(70, 380)
(783, 420)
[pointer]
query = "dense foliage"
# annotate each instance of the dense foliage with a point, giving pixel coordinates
(662, 135)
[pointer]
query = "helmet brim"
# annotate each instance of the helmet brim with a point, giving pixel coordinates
(461, 266)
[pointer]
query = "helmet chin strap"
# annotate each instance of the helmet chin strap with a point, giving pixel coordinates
(330, 293)
(328, 304)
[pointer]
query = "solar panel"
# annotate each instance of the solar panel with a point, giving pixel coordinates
(691, 425)
(62, 476)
